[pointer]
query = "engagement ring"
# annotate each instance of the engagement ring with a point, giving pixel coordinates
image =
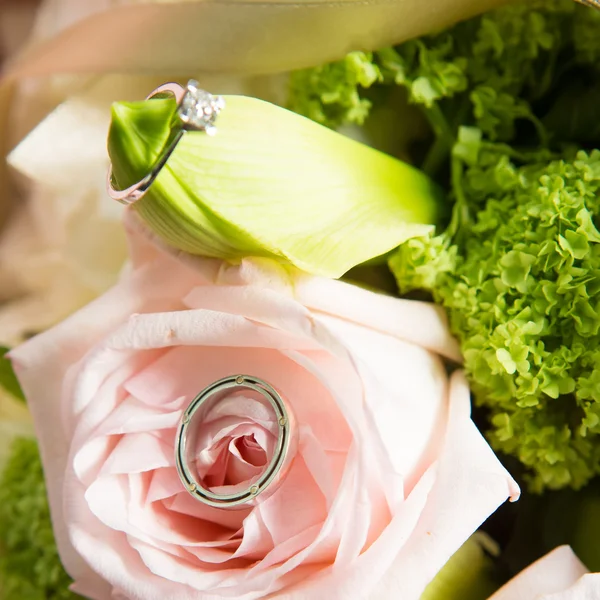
(197, 110)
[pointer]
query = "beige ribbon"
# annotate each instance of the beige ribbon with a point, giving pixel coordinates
(226, 36)
(236, 36)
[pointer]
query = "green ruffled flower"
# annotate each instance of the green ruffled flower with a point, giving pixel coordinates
(523, 294)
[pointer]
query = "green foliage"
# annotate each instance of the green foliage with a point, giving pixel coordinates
(585, 36)
(330, 94)
(523, 294)
(490, 60)
(470, 574)
(8, 380)
(30, 568)
(513, 101)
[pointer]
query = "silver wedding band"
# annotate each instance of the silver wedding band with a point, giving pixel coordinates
(197, 110)
(268, 482)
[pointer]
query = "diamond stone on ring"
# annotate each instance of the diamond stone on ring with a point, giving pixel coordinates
(265, 484)
(197, 110)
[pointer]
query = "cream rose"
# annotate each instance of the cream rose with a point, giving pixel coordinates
(391, 475)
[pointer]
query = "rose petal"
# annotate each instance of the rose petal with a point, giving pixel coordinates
(350, 504)
(587, 588)
(556, 576)
(404, 390)
(470, 484)
(185, 504)
(201, 328)
(421, 323)
(296, 506)
(138, 453)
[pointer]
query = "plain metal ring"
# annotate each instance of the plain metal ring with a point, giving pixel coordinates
(277, 468)
(188, 121)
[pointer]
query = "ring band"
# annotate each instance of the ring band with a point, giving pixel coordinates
(197, 110)
(279, 464)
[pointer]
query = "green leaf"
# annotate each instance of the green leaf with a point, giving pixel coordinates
(554, 519)
(586, 529)
(469, 574)
(8, 379)
(271, 183)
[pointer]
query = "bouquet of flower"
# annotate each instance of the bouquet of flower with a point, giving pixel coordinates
(292, 307)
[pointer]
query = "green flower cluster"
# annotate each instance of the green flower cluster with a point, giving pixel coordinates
(330, 94)
(522, 288)
(30, 568)
(493, 66)
(513, 101)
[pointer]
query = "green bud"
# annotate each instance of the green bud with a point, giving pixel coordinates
(270, 183)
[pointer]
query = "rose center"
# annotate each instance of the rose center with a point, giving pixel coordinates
(251, 451)
(235, 454)
(235, 442)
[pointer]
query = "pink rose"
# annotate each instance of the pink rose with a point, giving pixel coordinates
(559, 575)
(391, 475)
